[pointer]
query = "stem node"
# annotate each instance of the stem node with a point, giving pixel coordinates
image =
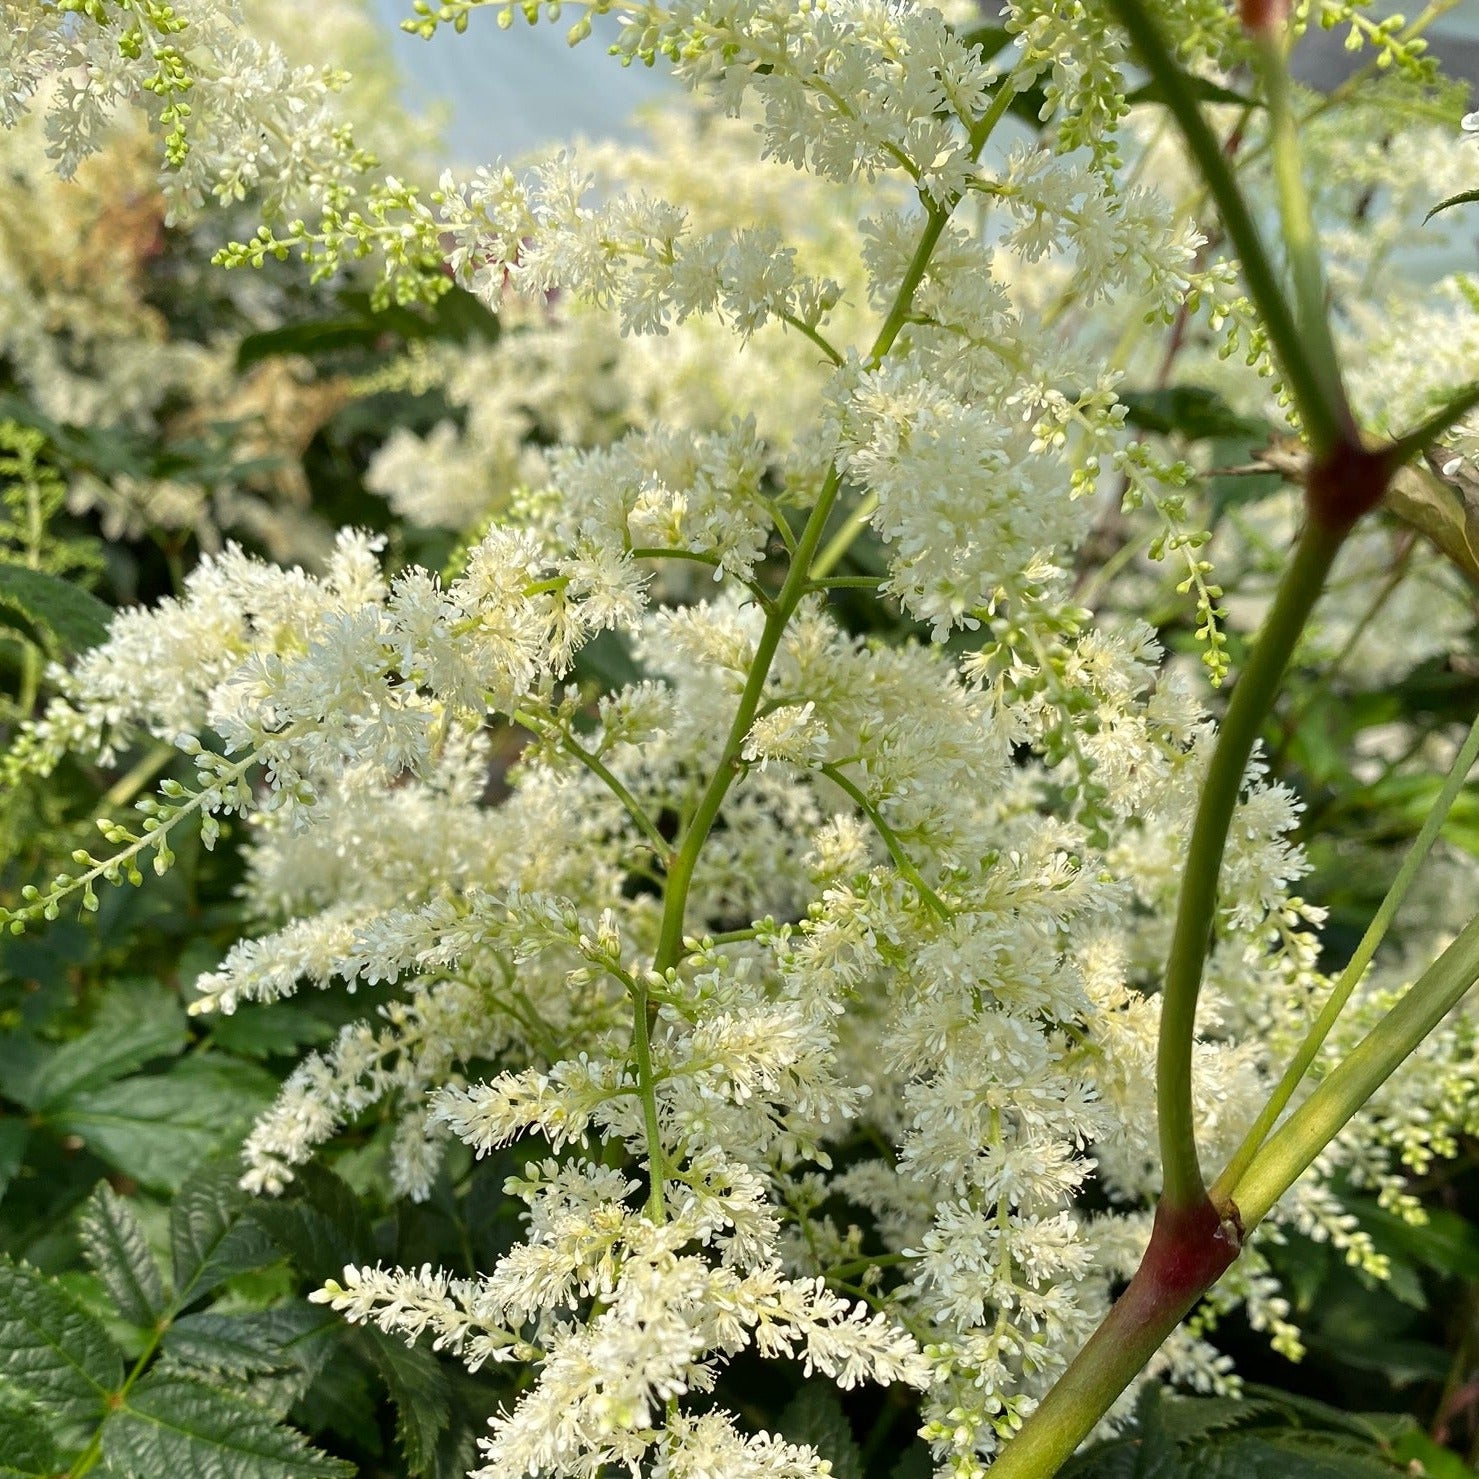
(1347, 482)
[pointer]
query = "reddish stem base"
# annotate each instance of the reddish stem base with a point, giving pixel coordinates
(1190, 1249)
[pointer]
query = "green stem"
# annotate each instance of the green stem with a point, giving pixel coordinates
(30, 684)
(670, 941)
(847, 582)
(1301, 239)
(803, 568)
(593, 763)
(816, 337)
(1413, 443)
(1340, 994)
(1325, 422)
(936, 217)
(841, 541)
(856, 1266)
(128, 785)
(1196, 908)
(646, 1087)
(1296, 1143)
(1189, 1251)
(88, 1458)
(890, 840)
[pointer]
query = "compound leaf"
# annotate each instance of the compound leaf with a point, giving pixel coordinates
(115, 1247)
(173, 1424)
(52, 1351)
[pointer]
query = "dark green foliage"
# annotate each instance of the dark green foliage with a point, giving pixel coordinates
(204, 1394)
(1268, 1435)
(154, 1127)
(211, 1237)
(26, 1447)
(174, 1424)
(53, 1354)
(815, 1415)
(114, 1245)
(1190, 411)
(359, 326)
(56, 613)
(414, 1381)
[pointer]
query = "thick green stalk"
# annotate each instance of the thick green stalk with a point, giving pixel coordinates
(1226, 1184)
(1188, 1252)
(1196, 908)
(1296, 1143)
(1301, 239)
(1325, 422)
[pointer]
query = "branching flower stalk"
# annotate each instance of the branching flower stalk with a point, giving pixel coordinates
(1197, 1234)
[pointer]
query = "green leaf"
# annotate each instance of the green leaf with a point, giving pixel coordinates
(1201, 88)
(275, 1354)
(68, 618)
(1289, 1456)
(1116, 1459)
(916, 1463)
(51, 1350)
(1292, 1410)
(1193, 411)
(115, 1247)
(27, 1449)
(815, 1416)
(175, 1425)
(1206, 1438)
(342, 1400)
(1464, 197)
(224, 1345)
(322, 1228)
(1443, 510)
(211, 1237)
(255, 1031)
(418, 1389)
(1401, 1362)
(15, 1135)
(134, 1023)
(157, 1129)
(1184, 1419)
(1414, 1447)
(457, 315)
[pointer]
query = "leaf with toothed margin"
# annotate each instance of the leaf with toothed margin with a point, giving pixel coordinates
(114, 1245)
(52, 1352)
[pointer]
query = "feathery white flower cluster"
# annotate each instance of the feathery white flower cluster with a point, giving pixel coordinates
(112, 320)
(237, 116)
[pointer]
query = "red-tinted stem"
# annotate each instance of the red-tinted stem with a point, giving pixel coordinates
(1190, 1249)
